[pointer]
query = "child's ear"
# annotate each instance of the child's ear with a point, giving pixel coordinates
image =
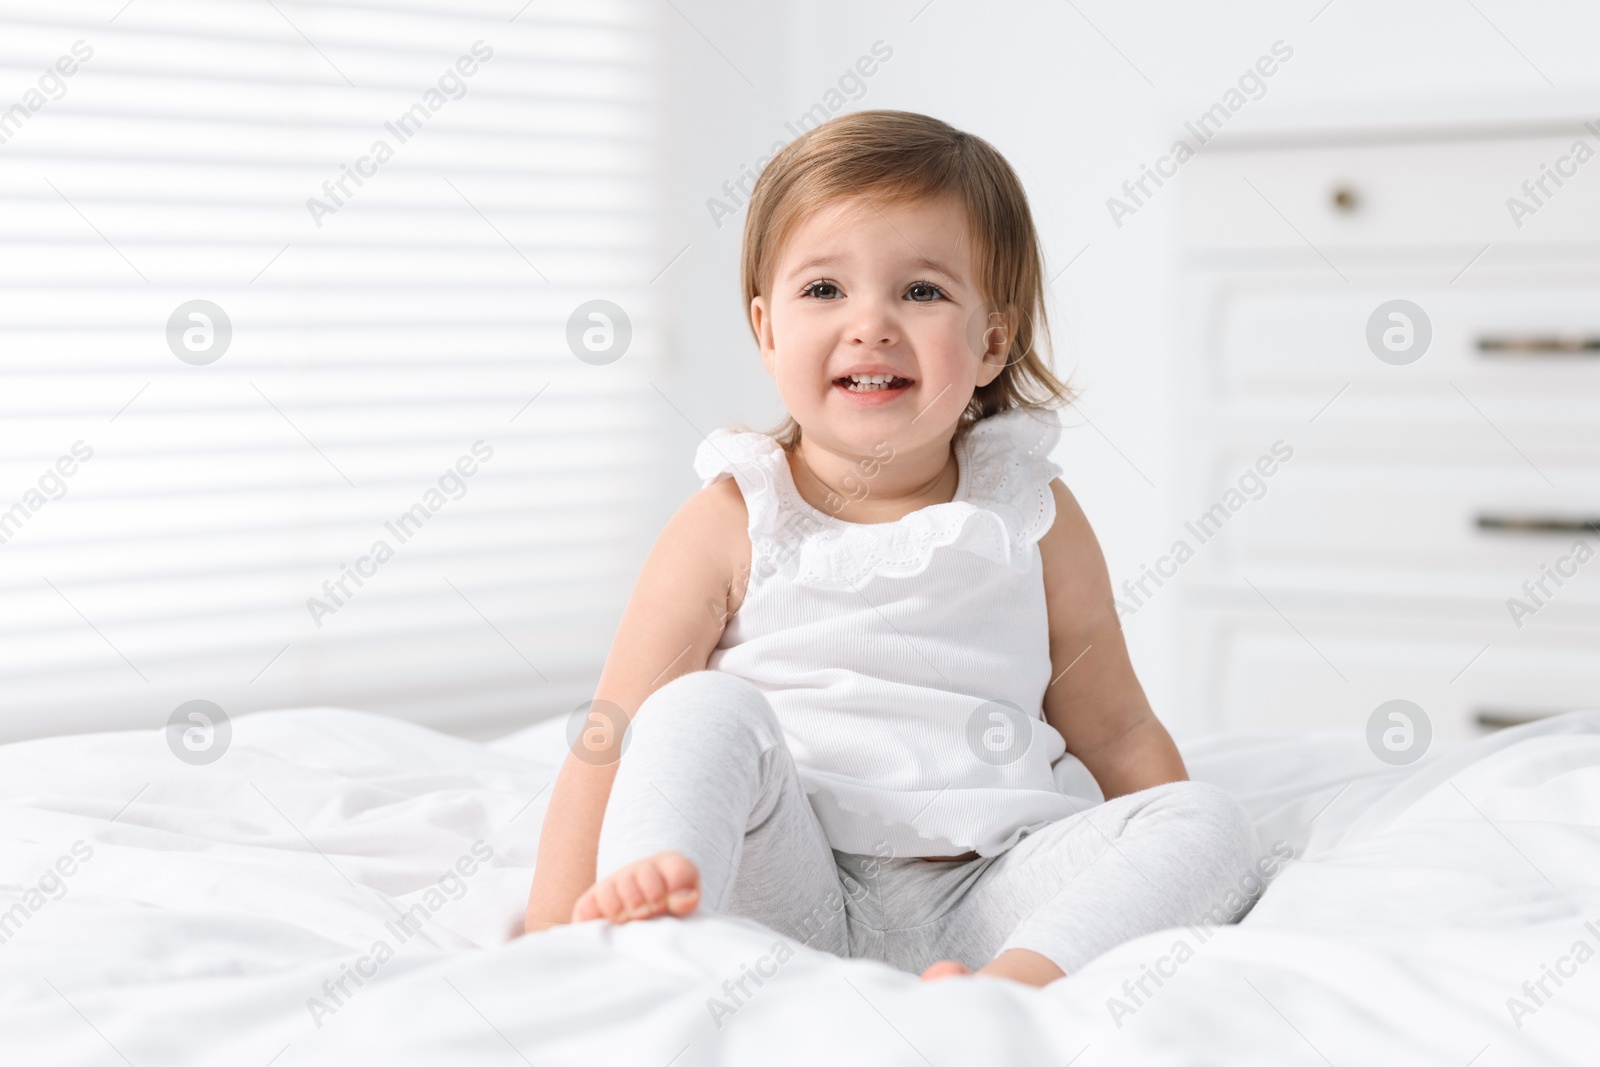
(761, 323)
(991, 333)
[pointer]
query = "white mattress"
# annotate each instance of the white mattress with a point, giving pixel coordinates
(216, 904)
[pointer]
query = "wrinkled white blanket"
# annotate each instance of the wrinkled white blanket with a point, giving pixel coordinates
(341, 888)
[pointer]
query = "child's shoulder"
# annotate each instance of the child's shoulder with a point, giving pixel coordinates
(719, 506)
(746, 456)
(1069, 519)
(716, 512)
(1075, 577)
(741, 473)
(702, 553)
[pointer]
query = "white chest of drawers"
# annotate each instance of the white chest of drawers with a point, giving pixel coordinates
(1426, 497)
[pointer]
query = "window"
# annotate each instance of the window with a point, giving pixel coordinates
(288, 409)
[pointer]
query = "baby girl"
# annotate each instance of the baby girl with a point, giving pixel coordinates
(876, 694)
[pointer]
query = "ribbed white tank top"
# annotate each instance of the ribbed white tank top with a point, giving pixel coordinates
(907, 661)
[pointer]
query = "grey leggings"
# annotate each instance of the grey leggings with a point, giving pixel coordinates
(706, 773)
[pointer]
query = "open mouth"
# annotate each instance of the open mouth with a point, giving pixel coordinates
(871, 383)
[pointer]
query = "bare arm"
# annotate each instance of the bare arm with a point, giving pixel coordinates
(1097, 705)
(692, 580)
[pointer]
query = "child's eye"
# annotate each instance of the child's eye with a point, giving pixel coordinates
(925, 293)
(821, 290)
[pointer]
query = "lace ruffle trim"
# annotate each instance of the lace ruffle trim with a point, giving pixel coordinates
(1003, 505)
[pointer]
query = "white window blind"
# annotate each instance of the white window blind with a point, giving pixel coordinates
(382, 349)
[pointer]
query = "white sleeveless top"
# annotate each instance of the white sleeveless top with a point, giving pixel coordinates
(907, 661)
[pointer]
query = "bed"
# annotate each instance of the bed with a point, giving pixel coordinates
(344, 888)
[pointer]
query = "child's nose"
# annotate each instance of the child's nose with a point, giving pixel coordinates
(874, 327)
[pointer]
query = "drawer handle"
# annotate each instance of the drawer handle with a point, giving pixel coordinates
(1502, 718)
(1539, 524)
(1540, 345)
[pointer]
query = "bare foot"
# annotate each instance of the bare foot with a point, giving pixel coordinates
(1018, 964)
(945, 969)
(665, 884)
(1023, 965)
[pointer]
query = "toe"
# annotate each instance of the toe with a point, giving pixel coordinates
(606, 900)
(652, 888)
(629, 895)
(682, 880)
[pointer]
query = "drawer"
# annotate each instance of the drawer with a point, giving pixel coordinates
(1403, 524)
(1429, 192)
(1258, 673)
(1499, 334)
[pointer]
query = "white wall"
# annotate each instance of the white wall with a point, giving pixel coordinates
(1077, 97)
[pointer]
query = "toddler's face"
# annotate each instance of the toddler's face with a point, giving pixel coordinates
(878, 290)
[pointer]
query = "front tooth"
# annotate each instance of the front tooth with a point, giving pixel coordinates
(870, 382)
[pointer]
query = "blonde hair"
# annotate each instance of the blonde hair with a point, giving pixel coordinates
(903, 156)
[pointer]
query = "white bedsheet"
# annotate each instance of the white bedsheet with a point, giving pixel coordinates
(218, 900)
